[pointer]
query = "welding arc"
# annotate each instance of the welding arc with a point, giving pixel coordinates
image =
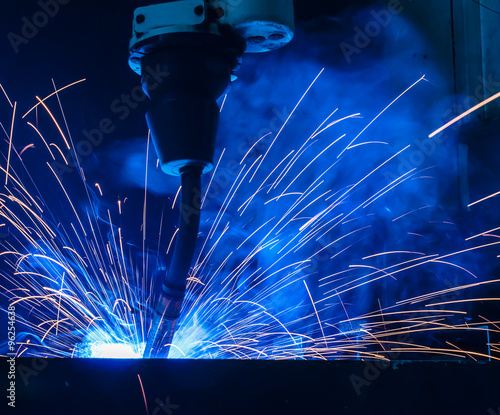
(169, 305)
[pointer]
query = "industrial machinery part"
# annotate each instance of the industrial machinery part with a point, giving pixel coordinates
(198, 45)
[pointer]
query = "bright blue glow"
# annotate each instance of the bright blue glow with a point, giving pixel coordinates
(101, 345)
(114, 351)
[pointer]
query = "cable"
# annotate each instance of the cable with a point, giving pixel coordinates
(169, 304)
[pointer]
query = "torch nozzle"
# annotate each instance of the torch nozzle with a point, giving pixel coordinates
(162, 329)
(168, 308)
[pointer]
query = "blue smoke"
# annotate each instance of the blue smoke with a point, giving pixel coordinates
(418, 214)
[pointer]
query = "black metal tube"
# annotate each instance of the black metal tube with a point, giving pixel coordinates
(168, 309)
(183, 117)
(195, 71)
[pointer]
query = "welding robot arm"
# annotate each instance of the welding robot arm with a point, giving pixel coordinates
(194, 48)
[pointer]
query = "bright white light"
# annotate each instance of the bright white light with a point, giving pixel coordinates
(187, 339)
(114, 351)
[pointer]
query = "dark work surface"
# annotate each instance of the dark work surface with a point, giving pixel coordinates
(176, 387)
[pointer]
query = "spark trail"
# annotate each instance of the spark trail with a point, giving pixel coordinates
(296, 260)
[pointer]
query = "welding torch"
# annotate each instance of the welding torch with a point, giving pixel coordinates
(196, 46)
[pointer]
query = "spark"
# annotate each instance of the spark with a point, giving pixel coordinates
(465, 114)
(144, 212)
(368, 143)
(316, 312)
(55, 123)
(288, 119)
(253, 146)
(52, 94)
(394, 252)
(348, 147)
(311, 162)
(99, 188)
(60, 152)
(6, 96)
(143, 394)
(26, 148)
(10, 143)
(485, 198)
(172, 240)
(67, 197)
(223, 102)
(176, 196)
(411, 212)
(319, 131)
(463, 301)
(212, 178)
